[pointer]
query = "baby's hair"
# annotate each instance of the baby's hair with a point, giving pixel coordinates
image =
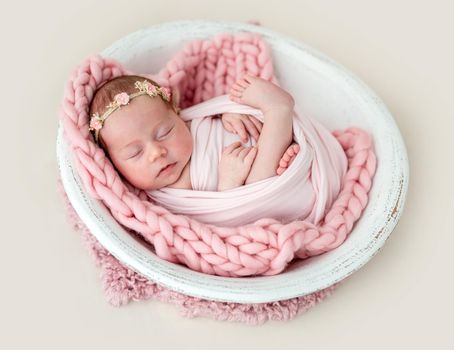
(106, 93)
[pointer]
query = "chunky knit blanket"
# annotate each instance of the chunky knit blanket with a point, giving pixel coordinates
(201, 70)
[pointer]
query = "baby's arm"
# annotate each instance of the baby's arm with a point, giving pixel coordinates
(275, 138)
(277, 107)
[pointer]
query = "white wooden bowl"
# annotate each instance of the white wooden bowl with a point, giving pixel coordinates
(321, 88)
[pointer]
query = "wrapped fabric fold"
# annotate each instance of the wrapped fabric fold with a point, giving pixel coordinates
(305, 191)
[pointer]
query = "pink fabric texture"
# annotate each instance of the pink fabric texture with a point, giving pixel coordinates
(302, 192)
(122, 285)
(202, 70)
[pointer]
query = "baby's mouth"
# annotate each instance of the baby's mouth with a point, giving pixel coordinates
(167, 168)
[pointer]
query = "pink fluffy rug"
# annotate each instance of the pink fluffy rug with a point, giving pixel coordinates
(122, 285)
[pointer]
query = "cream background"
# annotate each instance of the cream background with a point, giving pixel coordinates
(51, 296)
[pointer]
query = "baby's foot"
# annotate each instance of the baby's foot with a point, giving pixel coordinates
(259, 93)
(287, 158)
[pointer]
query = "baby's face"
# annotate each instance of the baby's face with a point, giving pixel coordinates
(144, 137)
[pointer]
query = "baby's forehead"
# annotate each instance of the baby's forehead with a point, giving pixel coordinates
(144, 111)
(134, 119)
(148, 103)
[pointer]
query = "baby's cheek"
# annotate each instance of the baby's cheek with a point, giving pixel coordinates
(184, 143)
(188, 146)
(132, 174)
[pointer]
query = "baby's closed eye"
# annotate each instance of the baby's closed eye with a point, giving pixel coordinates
(167, 132)
(139, 151)
(135, 154)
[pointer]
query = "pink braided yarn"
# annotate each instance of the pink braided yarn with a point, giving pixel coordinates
(202, 70)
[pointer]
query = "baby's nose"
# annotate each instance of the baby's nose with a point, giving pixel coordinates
(157, 152)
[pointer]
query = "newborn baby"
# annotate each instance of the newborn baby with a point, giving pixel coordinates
(151, 146)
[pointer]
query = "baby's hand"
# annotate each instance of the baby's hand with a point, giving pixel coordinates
(235, 165)
(239, 123)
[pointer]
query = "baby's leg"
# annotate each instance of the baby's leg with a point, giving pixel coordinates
(259, 93)
(287, 158)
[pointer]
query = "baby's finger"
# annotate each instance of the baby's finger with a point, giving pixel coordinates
(231, 147)
(244, 152)
(237, 151)
(228, 126)
(250, 126)
(240, 129)
(256, 122)
(251, 155)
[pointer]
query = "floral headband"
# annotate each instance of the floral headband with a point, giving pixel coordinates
(122, 99)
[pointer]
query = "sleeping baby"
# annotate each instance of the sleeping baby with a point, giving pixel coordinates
(151, 145)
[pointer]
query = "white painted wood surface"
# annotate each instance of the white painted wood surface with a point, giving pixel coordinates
(322, 88)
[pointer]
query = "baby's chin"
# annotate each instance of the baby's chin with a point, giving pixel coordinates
(150, 188)
(157, 186)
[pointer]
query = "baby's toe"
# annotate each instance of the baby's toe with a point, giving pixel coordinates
(237, 86)
(250, 78)
(286, 156)
(280, 170)
(236, 93)
(291, 152)
(235, 99)
(243, 83)
(283, 163)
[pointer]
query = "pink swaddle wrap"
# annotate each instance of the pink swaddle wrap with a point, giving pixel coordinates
(305, 191)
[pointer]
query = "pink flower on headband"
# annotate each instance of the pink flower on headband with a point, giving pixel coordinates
(165, 93)
(122, 98)
(95, 123)
(151, 88)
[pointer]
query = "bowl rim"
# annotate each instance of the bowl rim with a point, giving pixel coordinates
(248, 290)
